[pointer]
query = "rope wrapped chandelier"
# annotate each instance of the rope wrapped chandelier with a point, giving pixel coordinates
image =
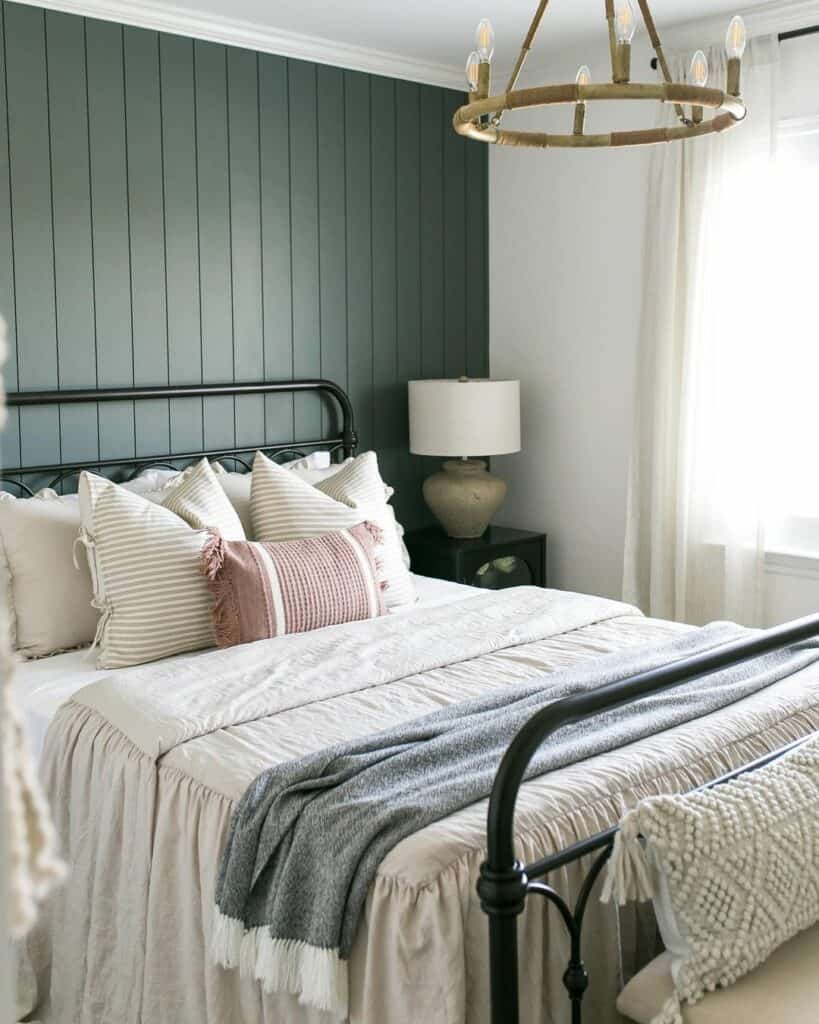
(481, 117)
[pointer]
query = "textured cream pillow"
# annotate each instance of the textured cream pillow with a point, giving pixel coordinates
(146, 565)
(284, 507)
(733, 870)
(49, 599)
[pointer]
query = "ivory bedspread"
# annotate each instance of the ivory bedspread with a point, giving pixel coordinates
(144, 770)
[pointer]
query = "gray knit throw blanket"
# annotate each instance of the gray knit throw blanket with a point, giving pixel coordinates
(308, 836)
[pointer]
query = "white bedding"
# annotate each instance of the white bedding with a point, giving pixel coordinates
(41, 685)
(144, 769)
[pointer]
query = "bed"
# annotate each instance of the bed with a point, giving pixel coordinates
(144, 767)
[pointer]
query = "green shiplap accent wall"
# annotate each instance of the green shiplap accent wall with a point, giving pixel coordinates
(176, 211)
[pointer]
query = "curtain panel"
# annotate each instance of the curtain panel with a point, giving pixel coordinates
(694, 545)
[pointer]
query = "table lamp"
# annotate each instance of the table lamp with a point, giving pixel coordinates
(464, 418)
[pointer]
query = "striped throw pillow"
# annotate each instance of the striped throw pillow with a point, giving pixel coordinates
(264, 590)
(283, 507)
(198, 498)
(146, 572)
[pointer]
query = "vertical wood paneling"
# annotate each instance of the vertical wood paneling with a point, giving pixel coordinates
(146, 215)
(305, 240)
(181, 235)
(274, 152)
(245, 237)
(387, 419)
(214, 237)
(30, 168)
(432, 233)
(333, 230)
(357, 119)
(110, 230)
(73, 249)
(477, 268)
(408, 298)
(10, 437)
(454, 242)
(174, 210)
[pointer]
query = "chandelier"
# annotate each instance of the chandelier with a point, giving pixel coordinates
(481, 117)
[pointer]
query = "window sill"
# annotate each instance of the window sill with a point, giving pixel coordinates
(792, 562)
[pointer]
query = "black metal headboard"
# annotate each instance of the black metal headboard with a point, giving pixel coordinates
(345, 442)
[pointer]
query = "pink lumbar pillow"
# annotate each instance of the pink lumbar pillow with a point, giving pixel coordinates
(263, 590)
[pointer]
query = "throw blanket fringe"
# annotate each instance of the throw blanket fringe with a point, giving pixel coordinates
(317, 976)
(628, 876)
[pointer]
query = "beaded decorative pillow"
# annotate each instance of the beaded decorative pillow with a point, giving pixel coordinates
(733, 871)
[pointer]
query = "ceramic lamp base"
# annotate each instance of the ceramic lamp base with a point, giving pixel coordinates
(464, 497)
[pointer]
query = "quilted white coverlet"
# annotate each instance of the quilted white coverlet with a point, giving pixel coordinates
(144, 770)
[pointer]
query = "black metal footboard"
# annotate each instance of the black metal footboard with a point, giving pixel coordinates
(505, 884)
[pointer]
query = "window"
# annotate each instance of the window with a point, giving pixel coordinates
(792, 405)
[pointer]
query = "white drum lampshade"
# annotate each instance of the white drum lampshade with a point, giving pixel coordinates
(464, 418)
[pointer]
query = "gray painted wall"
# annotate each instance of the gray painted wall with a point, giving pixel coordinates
(175, 211)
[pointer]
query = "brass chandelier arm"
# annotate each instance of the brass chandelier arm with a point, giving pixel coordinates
(654, 36)
(612, 35)
(527, 45)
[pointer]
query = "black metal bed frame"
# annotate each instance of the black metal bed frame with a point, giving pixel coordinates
(505, 884)
(345, 442)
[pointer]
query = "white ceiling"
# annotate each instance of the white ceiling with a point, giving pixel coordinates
(441, 31)
(423, 40)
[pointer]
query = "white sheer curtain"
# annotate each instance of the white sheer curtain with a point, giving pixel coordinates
(694, 535)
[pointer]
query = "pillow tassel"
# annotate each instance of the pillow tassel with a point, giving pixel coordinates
(628, 876)
(213, 553)
(225, 615)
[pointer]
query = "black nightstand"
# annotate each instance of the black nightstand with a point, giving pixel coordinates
(500, 558)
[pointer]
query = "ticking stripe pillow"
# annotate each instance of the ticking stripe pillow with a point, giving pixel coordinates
(263, 590)
(284, 507)
(146, 571)
(198, 498)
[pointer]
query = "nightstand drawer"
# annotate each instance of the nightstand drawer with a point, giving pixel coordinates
(501, 558)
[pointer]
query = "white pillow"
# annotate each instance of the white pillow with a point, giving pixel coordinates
(152, 479)
(284, 507)
(146, 571)
(49, 599)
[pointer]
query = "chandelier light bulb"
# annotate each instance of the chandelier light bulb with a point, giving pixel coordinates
(583, 76)
(736, 40)
(698, 73)
(485, 40)
(625, 21)
(473, 62)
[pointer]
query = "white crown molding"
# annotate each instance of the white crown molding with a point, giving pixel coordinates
(184, 21)
(768, 19)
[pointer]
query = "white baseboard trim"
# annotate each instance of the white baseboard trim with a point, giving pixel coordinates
(184, 21)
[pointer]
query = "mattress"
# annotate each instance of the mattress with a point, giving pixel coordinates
(41, 685)
(144, 768)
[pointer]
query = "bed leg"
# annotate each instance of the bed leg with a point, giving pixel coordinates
(503, 895)
(576, 980)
